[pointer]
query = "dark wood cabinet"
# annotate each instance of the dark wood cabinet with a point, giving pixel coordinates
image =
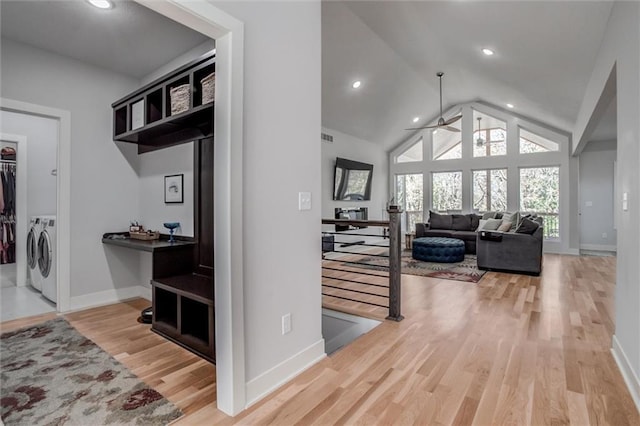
(183, 277)
(145, 116)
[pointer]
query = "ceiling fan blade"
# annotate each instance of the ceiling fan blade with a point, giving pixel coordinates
(451, 129)
(452, 120)
(435, 126)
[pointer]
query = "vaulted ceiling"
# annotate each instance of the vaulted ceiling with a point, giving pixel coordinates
(544, 55)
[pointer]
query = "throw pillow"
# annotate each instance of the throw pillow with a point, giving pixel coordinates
(488, 215)
(504, 226)
(440, 221)
(514, 218)
(461, 222)
(492, 225)
(475, 221)
(481, 224)
(527, 226)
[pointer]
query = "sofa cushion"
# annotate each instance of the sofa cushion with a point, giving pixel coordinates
(464, 235)
(505, 226)
(448, 233)
(491, 224)
(488, 215)
(440, 221)
(461, 222)
(527, 226)
(475, 221)
(514, 218)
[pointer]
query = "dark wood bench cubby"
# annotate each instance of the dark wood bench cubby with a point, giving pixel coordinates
(183, 312)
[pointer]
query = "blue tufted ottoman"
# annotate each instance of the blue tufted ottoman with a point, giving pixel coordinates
(438, 249)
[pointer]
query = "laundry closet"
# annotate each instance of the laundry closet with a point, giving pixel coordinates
(28, 214)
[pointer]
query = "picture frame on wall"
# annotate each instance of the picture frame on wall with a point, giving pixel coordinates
(174, 189)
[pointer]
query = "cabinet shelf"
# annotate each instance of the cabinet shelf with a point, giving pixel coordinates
(144, 117)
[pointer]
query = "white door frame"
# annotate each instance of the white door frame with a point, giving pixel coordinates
(228, 32)
(22, 222)
(63, 186)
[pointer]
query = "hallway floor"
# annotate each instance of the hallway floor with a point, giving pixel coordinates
(19, 302)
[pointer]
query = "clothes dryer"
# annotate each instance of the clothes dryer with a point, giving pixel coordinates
(34, 278)
(47, 257)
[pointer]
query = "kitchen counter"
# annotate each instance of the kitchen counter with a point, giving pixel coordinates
(151, 246)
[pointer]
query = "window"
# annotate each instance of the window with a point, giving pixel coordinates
(540, 193)
(411, 154)
(531, 143)
(409, 196)
(489, 135)
(447, 191)
(447, 141)
(490, 190)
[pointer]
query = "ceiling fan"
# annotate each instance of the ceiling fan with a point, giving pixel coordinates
(442, 123)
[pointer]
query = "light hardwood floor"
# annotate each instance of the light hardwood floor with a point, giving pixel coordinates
(511, 349)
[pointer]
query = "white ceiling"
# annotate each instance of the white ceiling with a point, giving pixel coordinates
(545, 52)
(129, 38)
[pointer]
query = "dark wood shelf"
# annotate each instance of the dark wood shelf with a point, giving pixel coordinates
(154, 127)
(196, 123)
(193, 286)
(162, 244)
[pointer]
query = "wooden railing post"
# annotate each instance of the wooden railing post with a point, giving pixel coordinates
(395, 253)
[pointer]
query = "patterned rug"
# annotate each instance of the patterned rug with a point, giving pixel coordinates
(53, 375)
(467, 270)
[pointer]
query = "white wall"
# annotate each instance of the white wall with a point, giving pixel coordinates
(621, 48)
(282, 247)
(42, 145)
(104, 183)
(596, 196)
(153, 167)
(352, 148)
(181, 60)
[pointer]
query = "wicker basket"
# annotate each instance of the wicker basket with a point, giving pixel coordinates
(208, 88)
(145, 236)
(180, 98)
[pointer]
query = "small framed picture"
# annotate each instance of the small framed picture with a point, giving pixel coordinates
(174, 189)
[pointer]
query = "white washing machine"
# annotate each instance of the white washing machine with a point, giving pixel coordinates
(47, 257)
(34, 278)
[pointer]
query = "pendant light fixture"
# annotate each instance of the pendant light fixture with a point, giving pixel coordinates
(479, 140)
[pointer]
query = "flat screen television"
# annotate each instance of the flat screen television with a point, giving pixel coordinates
(352, 180)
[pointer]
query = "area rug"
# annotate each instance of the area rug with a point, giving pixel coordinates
(467, 270)
(53, 375)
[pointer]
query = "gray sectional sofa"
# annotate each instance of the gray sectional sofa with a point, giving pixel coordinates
(518, 249)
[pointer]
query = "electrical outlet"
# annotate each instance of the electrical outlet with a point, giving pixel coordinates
(286, 324)
(604, 235)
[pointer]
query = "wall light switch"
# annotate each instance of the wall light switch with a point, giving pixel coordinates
(588, 203)
(286, 324)
(625, 201)
(304, 201)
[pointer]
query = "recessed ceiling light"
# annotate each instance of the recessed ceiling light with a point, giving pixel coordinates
(509, 105)
(101, 4)
(416, 119)
(434, 132)
(487, 51)
(356, 84)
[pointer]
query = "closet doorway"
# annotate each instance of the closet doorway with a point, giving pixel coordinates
(28, 156)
